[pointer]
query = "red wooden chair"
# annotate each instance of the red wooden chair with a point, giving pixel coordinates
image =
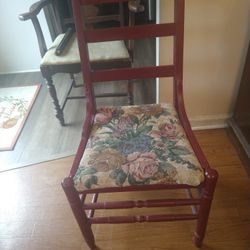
(137, 148)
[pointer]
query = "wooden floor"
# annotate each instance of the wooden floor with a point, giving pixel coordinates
(34, 213)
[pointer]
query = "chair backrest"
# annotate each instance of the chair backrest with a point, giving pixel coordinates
(32, 14)
(56, 23)
(112, 14)
(85, 36)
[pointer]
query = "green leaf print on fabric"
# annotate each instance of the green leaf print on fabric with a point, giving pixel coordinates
(137, 145)
(89, 182)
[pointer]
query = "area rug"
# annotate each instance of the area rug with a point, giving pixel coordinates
(15, 106)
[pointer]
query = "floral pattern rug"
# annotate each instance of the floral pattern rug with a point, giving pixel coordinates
(15, 105)
(137, 145)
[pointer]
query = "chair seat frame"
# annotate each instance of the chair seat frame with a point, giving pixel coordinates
(84, 211)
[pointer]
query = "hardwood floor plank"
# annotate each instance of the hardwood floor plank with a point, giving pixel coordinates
(35, 215)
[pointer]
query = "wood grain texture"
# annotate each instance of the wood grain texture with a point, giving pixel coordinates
(34, 213)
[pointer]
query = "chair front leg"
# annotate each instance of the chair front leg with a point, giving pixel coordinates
(79, 213)
(206, 200)
(52, 91)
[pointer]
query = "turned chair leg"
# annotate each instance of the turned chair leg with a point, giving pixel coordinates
(206, 201)
(130, 93)
(79, 213)
(52, 91)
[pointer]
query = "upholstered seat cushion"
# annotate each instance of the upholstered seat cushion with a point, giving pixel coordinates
(136, 145)
(101, 51)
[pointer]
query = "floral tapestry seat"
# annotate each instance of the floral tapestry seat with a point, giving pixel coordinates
(137, 145)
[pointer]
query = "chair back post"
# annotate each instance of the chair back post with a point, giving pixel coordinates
(121, 14)
(32, 15)
(178, 80)
(55, 18)
(131, 43)
(84, 55)
(40, 37)
(133, 8)
(179, 9)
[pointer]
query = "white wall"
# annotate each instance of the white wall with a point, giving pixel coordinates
(217, 34)
(19, 49)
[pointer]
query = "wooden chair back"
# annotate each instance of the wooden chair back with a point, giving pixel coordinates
(86, 36)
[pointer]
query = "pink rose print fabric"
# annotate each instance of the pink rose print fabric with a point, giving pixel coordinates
(137, 145)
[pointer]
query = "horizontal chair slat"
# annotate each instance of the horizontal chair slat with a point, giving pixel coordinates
(96, 19)
(88, 2)
(134, 73)
(140, 204)
(141, 218)
(126, 33)
(140, 188)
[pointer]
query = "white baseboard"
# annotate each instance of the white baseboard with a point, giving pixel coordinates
(209, 121)
(20, 71)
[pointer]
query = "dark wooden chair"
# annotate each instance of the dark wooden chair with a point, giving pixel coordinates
(63, 55)
(138, 148)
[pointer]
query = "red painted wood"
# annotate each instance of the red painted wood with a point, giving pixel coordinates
(205, 205)
(142, 218)
(81, 218)
(201, 206)
(178, 79)
(84, 139)
(94, 200)
(193, 207)
(134, 73)
(140, 188)
(141, 203)
(135, 32)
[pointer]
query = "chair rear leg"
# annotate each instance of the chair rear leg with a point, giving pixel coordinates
(206, 201)
(52, 91)
(130, 92)
(80, 215)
